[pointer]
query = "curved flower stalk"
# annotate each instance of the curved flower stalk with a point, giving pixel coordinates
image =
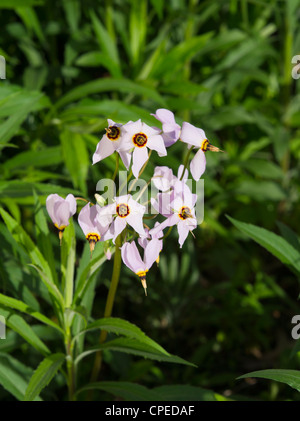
(196, 137)
(132, 258)
(112, 141)
(124, 211)
(93, 230)
(140, 136)
(171, 130)
(60, 210)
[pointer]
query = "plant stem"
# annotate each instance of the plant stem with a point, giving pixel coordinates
(70, 366)
(109, 305)
(186, 161)
(117, 167)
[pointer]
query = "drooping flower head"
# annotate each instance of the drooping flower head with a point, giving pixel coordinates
(132, 258)
(171, 130)
(196, 137)
(140, 136)
(124, 211)
(93, 230)
(60, 210)
(110, 142)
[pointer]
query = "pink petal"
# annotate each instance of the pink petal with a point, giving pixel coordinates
(139, 157)
(50, 202)
(72, 203)
(119, 225)
(126, 158)
(157, 143)
(183, 232)
(198, 164)
(62, 213)
(104, 149)
(131, 257)
(152, 251)
(136, 221)
(192, 135)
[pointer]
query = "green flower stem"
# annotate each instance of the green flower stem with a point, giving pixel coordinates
(109, 305)
(70, 365)
(186, 161)
(117, 166)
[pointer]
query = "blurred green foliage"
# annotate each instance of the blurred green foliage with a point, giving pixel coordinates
(223, 302)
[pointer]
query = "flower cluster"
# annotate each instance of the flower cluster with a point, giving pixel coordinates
(124, 218)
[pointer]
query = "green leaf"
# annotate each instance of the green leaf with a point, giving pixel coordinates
(186, 393)
(108, 85)
(107, 45)
(134, 347)
(18, 324)
(14, 376)
(41, 158)
(39, 262)
(78, 162)
(125, 390)
(24, 308)
(123, 327)
(290, 377)
(12, 4)
(43, 375)
(275, 244)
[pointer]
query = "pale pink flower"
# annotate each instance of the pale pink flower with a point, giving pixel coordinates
(140, 136)
(132, 258)
(112, 141)
(124, 211)
(60, 210)
(196, 137)
(93, 230)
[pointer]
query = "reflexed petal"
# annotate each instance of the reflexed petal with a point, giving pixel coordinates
(72, 202)
(198, 164)
(170, 221)
(139, 157)
(164, 116)
(149, 131)
(133, 127)
(152, 251)
(131, 257)
(104, 149)
(136, 221)
(119, 225)
(157, 143)
(192, 135)
(163, 203)
(183, 231)
(86, 219)
(50, 202)
(162, 178)
(62, 213)
(126, 158)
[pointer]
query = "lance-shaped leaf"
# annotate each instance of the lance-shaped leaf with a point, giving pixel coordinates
(43, 375)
